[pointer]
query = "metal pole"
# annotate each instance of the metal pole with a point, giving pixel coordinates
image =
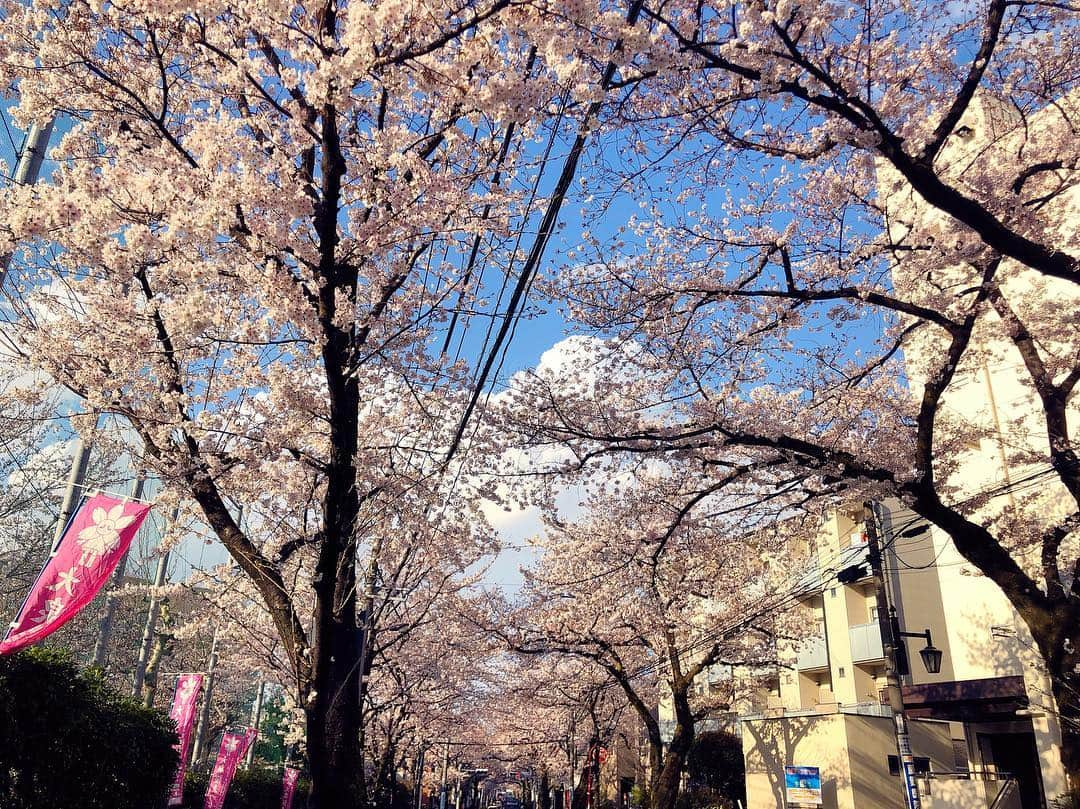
(572, 753)
(73, 492)
(256, 720)
(208, 694)
(101, 648)
(892, 676)
(419, 785)
(28, 170)
(151, 625)
(442, 780)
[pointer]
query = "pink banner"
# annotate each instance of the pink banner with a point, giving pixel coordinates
(233, 748)
(288, 786)
(92, 545)
(185, 700)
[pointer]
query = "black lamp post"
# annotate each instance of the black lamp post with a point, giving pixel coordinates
(930, 654)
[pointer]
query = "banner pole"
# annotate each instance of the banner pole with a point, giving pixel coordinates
(256, 720)
(204, 713)
(101, 647)
(152, 615)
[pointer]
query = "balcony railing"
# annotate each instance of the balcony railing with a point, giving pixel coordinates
(812, 654)
(866, 643)
(820, 573)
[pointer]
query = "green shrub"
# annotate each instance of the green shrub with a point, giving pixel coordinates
(716, 775)
(250, 789)
(68, 740)
(639, 797)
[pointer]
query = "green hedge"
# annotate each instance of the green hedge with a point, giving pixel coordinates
(68, 740)
(250, 789)
(716, 775)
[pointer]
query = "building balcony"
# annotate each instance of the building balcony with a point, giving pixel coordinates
(820, 573)
(866, 643)
(857, 554)
(812, 655)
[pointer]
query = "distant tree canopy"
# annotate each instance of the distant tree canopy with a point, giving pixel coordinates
(67, 739)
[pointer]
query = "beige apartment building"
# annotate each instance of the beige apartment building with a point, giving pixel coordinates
(988, 711)
(979, 723)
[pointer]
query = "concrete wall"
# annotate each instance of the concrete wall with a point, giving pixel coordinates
(817, 741)
(851, 750)
(962, 794)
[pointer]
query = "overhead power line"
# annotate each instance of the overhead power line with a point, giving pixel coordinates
(793, 595)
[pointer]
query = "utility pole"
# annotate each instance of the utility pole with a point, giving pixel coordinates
(101, 648)
(892, 675)
(72, 494)
(204, 714)
(28, 170)
(151, 619)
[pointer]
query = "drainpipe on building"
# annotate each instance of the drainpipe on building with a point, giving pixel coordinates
(892, 675)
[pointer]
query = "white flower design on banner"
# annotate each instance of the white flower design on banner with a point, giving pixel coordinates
(52, 608)
(66, 580)
(187, 689)
(103, 535)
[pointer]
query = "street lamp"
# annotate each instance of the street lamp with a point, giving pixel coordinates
(930, 654)
(895, 653)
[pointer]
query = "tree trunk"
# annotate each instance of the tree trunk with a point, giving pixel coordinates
(1065, 694)
(1059, 644)
(382, 787)
(579, 797)
(665, 786)
(333, 723)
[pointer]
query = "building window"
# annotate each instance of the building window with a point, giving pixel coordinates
(832, 592)
(922, 765)
(960, 755)
(843, 674)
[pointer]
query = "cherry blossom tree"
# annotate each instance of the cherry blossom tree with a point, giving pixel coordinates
(871, 227)
(651, 588)
(538, 717)
(266, 224)
(28, 496)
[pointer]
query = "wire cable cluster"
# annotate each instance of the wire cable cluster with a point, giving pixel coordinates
(799, 590)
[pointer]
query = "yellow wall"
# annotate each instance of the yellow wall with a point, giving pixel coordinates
(851, 750)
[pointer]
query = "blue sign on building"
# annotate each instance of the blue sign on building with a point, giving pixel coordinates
(803, 785)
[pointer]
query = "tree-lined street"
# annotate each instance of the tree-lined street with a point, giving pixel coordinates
(510, 386)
